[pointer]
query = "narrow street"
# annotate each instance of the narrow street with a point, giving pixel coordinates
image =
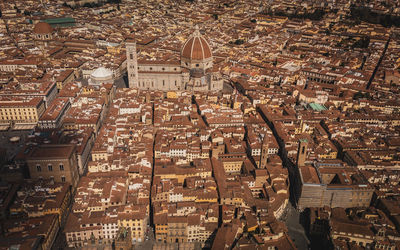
(378, 64)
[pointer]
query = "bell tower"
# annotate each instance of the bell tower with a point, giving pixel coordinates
(302, 152)
(131, 64)
(264, 153)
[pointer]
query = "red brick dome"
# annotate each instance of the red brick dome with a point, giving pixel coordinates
(196, 48)
(43, 28)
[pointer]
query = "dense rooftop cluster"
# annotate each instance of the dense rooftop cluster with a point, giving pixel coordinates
(307, 122)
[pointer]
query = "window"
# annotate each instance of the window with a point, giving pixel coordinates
(163, 82)
(50, 167)
(38, 168)
(197, 65)
(131, 56)
(61, 167)
(62, 178)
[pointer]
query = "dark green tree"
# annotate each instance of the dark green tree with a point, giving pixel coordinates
(239, 41)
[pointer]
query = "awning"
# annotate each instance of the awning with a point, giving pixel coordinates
(23, 126)
(4, 127)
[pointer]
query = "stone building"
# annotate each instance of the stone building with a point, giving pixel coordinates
(43, 33)
(56, 162)
(177, 229)
(328, 184)
(264, 153)
(194, 71)
(332, 186)
(21, 110)
(123, 240)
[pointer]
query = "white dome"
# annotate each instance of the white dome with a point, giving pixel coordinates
(101, 73)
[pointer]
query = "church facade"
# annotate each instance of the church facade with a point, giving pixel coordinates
(194, 71)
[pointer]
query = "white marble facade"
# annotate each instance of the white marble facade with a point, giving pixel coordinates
(193, 72)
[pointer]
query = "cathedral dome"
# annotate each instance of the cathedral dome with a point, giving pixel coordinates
(196, 48)
(43, 28)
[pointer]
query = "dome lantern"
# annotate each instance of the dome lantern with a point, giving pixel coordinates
(196, 52)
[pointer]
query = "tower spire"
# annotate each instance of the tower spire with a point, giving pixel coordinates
(196, 32)
(132, 68)
(264, 152)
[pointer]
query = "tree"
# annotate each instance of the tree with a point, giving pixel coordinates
(327, 32)
(362, 43)
(239, 41)
(67, 5)
(18, 10)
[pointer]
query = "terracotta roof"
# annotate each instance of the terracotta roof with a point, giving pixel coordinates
(196, 48)
(42, 28)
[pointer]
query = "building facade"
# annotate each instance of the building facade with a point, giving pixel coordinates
(22, 110)
(57, 162)
(333, 187)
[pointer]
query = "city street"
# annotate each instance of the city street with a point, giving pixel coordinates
(296, 230)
